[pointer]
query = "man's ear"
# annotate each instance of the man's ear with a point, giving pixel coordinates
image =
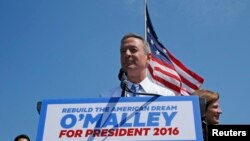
(149, 56)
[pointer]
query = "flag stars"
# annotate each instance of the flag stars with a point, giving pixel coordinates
(151, 42)
(193, 80)
(164, 50)
(157, 52)
(148, 30)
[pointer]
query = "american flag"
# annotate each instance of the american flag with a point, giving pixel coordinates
(166, 70)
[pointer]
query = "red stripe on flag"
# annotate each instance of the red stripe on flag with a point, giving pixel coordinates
(188, 83)
(176, 77)
(163, 81)
(184, 68)
(162, 63)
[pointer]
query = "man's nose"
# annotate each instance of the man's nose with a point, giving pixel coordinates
(128, 52)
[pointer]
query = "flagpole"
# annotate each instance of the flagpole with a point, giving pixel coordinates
(145, 19)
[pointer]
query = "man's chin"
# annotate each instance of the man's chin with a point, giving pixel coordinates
(130, 68)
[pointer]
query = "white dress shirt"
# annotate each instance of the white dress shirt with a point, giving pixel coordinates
(146, 86)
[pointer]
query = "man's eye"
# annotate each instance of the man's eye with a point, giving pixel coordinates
(123, 51)
(133, 50)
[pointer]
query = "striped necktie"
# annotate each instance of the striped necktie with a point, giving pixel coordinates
(135, 88)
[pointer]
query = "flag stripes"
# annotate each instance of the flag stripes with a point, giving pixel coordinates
(166, 70)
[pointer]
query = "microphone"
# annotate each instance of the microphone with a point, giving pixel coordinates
(120, 75)
(38, 106)
(124, 82)
(124, 85)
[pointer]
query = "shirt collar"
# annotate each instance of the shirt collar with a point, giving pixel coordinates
(144, 84)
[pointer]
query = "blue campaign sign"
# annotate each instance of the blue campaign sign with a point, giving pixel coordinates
(123, 119)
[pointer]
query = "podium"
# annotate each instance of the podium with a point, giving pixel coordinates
(161, 118)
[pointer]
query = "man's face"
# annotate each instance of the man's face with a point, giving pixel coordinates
(23, 139)
(133, 56)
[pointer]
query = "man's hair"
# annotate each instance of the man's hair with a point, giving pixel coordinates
(146, 45)
(22, 136)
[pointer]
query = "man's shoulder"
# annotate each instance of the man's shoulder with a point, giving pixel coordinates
(151, 86)
(162, 90)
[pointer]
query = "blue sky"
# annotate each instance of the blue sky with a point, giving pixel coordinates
(60, 49)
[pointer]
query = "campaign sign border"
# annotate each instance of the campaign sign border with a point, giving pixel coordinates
(193, 99)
